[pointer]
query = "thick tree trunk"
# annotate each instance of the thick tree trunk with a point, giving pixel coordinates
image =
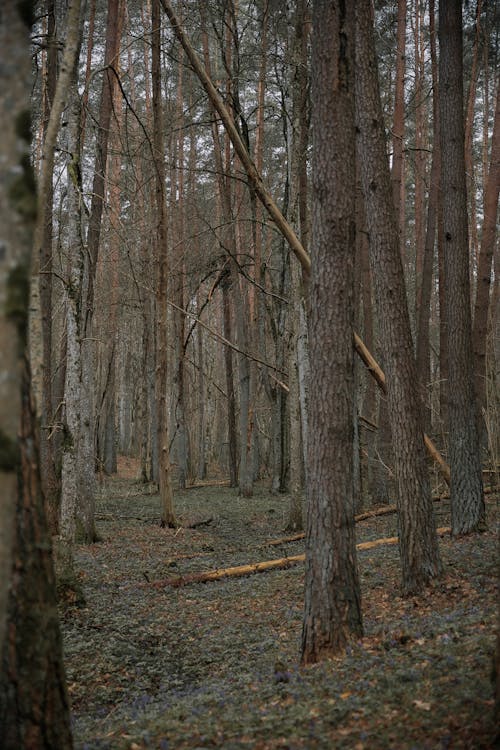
(332, 608)
(418, 541)
(34, 706)
(467, 500)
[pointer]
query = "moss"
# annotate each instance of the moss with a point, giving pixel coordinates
(16, 304)
(9, 453)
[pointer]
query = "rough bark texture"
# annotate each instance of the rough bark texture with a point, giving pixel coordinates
(34, 709)
(418, 542)
(34, 704)
(332, 607)
(467, 500)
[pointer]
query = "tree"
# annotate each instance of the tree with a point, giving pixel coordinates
(164, 469)
(485, 263)
(467, 500)
(418, 543)
(34, 707)
(332, 608)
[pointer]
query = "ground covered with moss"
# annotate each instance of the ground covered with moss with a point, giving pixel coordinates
(215, 665)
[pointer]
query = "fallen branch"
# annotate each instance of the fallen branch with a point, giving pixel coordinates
(260, 567)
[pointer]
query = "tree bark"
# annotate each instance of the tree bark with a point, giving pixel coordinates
(398, 123)
(418, 542)
(467, 500)
(332, 607)
(165, 474)
(485, 263)
(34, 706)
(425, 287)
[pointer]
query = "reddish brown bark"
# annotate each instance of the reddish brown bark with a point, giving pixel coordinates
(485, 263)
(332, 607)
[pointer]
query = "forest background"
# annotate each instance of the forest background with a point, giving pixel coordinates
(169, 319)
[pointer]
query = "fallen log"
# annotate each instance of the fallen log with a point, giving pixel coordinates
(260, 567)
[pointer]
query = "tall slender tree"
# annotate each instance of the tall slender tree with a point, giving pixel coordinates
(164, 467)
(418, 542)
(332, 608)
(467, 499)
(485, 265)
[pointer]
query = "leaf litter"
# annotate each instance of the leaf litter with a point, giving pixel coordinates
(217, 664)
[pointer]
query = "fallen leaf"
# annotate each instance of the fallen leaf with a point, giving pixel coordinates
(421, 704)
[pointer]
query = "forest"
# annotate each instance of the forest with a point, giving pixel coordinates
(249, 374)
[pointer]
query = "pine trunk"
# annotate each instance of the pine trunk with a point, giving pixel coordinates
(418, 541)
(467, 500)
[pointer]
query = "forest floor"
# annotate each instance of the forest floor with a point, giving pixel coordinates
(216, 664)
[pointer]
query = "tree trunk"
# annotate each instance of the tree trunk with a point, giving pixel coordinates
(469, 129)
(332, 608)
(164, 468)
(488, 237)
(71, 416)
(467, 500)
(50, 484)
(34, 705)
(418, 541)
(87, 445)
(425, 288)
(398, 123)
